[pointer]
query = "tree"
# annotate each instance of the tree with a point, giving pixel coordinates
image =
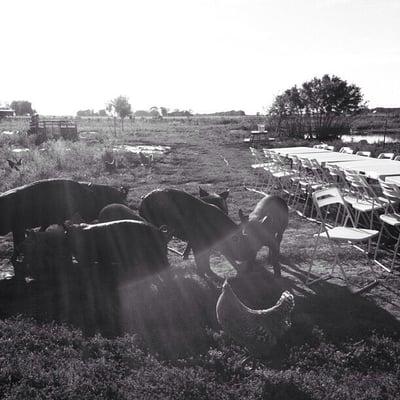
(85, 113)
(320, 105)
(120, 106)
(164, 111)
(154, 112)
(22, 107)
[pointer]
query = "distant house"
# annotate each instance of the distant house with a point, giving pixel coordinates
(7, 112)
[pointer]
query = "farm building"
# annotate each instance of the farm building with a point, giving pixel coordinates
(6, 112)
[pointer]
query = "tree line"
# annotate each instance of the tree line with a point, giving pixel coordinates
(318, 108)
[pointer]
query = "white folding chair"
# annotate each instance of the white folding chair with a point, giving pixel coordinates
(258, 167)
(337, 234)
(281, 174)
(397, 158)
(346, 150)
(309, 182)
(363, 153)
(362, 197)
(386, 156)
(391, 217)
(294, 197)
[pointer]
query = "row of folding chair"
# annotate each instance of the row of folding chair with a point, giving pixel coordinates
(355, 203)
(338, 233)
(381, 209)
(273, 172)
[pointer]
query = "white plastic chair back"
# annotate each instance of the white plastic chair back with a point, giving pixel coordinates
(346, 150)
(326, 197)
(386, 156)
(261, 128)
(364, 153)
(390, 190)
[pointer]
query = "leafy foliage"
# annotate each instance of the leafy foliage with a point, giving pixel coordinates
(318, 106)
(22, 107)
(120, 106)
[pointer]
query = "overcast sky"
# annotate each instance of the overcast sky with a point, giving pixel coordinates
(204, 55)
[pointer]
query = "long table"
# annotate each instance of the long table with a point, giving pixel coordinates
(286, 151)
(331, 157)
(371, 167)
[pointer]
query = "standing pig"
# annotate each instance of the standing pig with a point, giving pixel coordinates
(139, 248)
(218, 200)
(202, 225)
(42, 203)
(265, 226)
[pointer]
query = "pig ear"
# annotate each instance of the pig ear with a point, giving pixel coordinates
(203, 193)
(242, 217)
(225, 194)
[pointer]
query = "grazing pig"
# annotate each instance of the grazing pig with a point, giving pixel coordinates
(118, 212)
(202, 225)
(139, 248)
(51, 201)
(42, 203)
(265, 226)
(218, 200)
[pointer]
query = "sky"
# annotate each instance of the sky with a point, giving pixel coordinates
(203, 55)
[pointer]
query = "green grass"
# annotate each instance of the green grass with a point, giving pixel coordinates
(159, 339)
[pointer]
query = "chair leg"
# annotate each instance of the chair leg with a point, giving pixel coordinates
(306, 202)
(322, 278)
(396, 249)
(379, 242)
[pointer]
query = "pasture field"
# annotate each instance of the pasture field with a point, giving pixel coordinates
(163, 340)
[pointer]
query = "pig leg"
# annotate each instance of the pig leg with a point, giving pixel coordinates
(202, 258)
(274, 249)
(19, 267)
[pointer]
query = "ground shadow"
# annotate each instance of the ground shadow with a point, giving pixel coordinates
(173, 311)
(339, 314)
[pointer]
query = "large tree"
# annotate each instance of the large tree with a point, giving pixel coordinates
(318, 106)
(121, 107)
(22, 107)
